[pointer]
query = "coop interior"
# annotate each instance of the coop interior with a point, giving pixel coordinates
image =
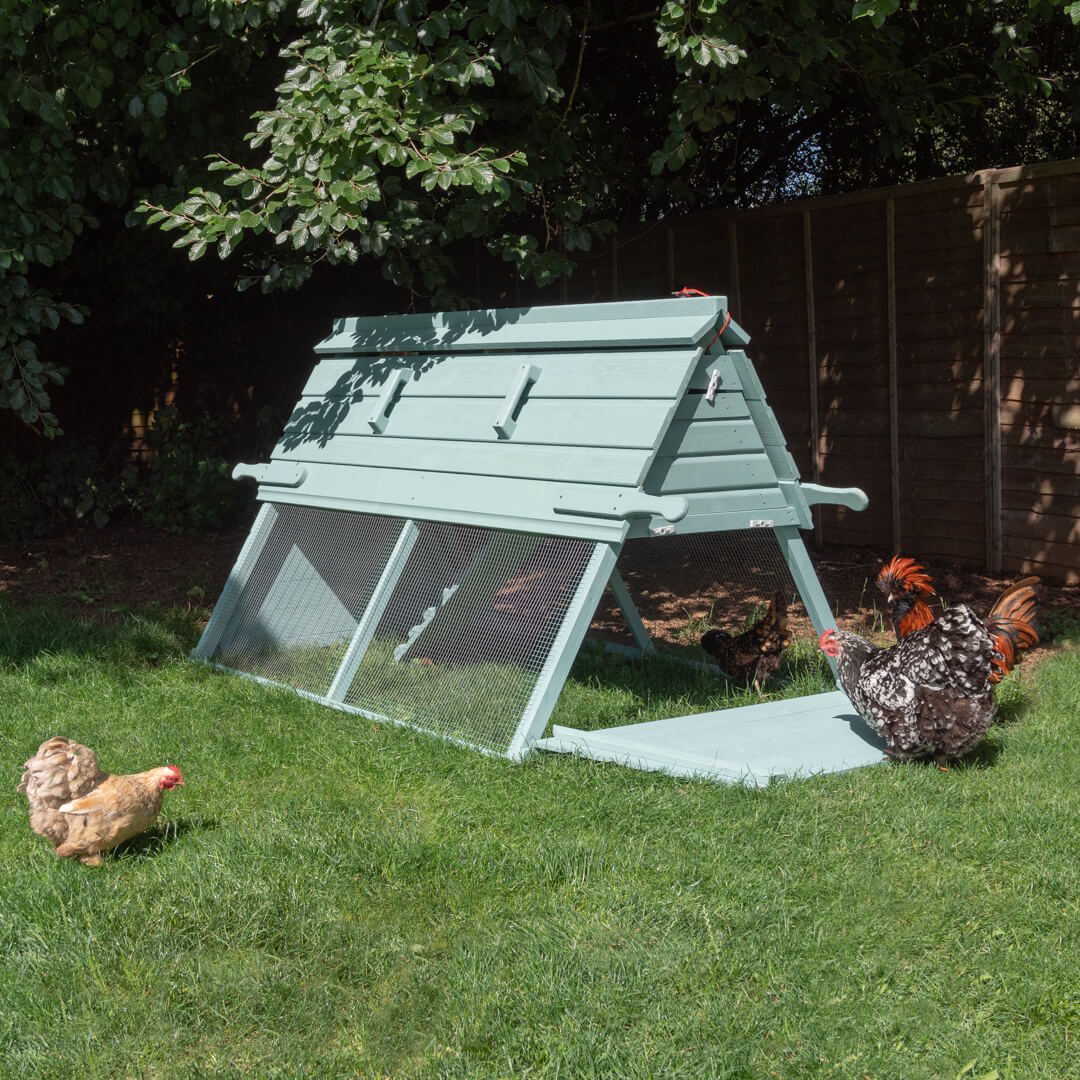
(468, 632)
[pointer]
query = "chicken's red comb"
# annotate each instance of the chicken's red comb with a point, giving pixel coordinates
(907, 572)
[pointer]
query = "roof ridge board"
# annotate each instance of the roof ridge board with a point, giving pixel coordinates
(571, 326)
(334, 352)
(538, 313)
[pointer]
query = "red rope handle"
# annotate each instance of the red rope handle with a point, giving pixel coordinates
(687, 291)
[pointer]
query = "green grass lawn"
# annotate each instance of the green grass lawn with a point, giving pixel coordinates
(330, 897)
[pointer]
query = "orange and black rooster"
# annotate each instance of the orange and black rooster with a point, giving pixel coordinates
(753, 655)
(906, 585)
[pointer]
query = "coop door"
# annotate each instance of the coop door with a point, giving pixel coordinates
(461, 631)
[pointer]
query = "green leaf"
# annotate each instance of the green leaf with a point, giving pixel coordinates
(136, 107)
(157, 103)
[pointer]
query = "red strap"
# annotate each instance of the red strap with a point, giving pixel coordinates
(687, 291)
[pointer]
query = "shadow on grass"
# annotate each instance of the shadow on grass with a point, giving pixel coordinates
(154, 841)
(147, 639)
(982, 757)
(690, 676)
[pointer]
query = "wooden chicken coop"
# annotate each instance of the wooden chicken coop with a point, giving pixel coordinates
(449, 502)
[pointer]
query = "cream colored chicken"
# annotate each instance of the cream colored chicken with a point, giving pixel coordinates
(104, 811)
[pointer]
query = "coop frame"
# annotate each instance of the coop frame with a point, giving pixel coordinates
(687, 352)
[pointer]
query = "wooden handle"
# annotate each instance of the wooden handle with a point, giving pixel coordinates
(854, 498)
(381, 416)
(506, 423)
(272, 473)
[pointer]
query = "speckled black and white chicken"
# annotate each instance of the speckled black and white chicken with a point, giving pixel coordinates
(927, 696)
(931, 695)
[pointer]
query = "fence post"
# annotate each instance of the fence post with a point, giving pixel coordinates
(811, 348)
(992, 367)
(734, 286)
(894, 381)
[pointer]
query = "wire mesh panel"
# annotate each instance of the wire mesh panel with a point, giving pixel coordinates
(443, 627)
(468, 629)
(682, 583)
(310, 583)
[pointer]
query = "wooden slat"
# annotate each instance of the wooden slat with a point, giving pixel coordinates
(817, 449)
(562, 375)
(675, 476)
(583, 465)
(724, 406)
(490, 501)
(895, 499)
(1060, 494)
(691, 438)
(633, 424)
(1037, 527)
(1055, 560)
(1047, 415)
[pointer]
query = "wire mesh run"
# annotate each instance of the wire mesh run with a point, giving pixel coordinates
(443, 627)
(310, 583)
(684, 584)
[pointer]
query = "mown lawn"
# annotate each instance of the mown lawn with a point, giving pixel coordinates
(330, 897)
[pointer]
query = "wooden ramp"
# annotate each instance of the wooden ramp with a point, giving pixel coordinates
(752, 745)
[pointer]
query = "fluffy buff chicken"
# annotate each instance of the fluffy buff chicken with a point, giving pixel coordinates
(60, 771)
(85, 811)
(927, 696)
(1009, 624)
(754, 654)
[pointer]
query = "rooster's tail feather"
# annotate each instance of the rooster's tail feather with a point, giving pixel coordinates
(1010, 626)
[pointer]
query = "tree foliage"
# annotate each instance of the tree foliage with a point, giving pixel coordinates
(93, 109)
(389, 131)
(400, 129)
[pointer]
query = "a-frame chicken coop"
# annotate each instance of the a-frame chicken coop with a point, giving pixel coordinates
(450, 498)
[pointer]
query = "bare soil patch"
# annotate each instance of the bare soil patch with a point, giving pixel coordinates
(110, 572)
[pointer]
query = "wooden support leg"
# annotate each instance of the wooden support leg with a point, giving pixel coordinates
(369, 621)
(234, 586)
(564, 650)
(630, 611)
(806, 580)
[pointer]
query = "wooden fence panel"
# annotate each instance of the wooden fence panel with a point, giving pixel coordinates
(921, 342)
(1040, 375)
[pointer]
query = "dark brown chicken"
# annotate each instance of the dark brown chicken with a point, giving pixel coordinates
(754, 654)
